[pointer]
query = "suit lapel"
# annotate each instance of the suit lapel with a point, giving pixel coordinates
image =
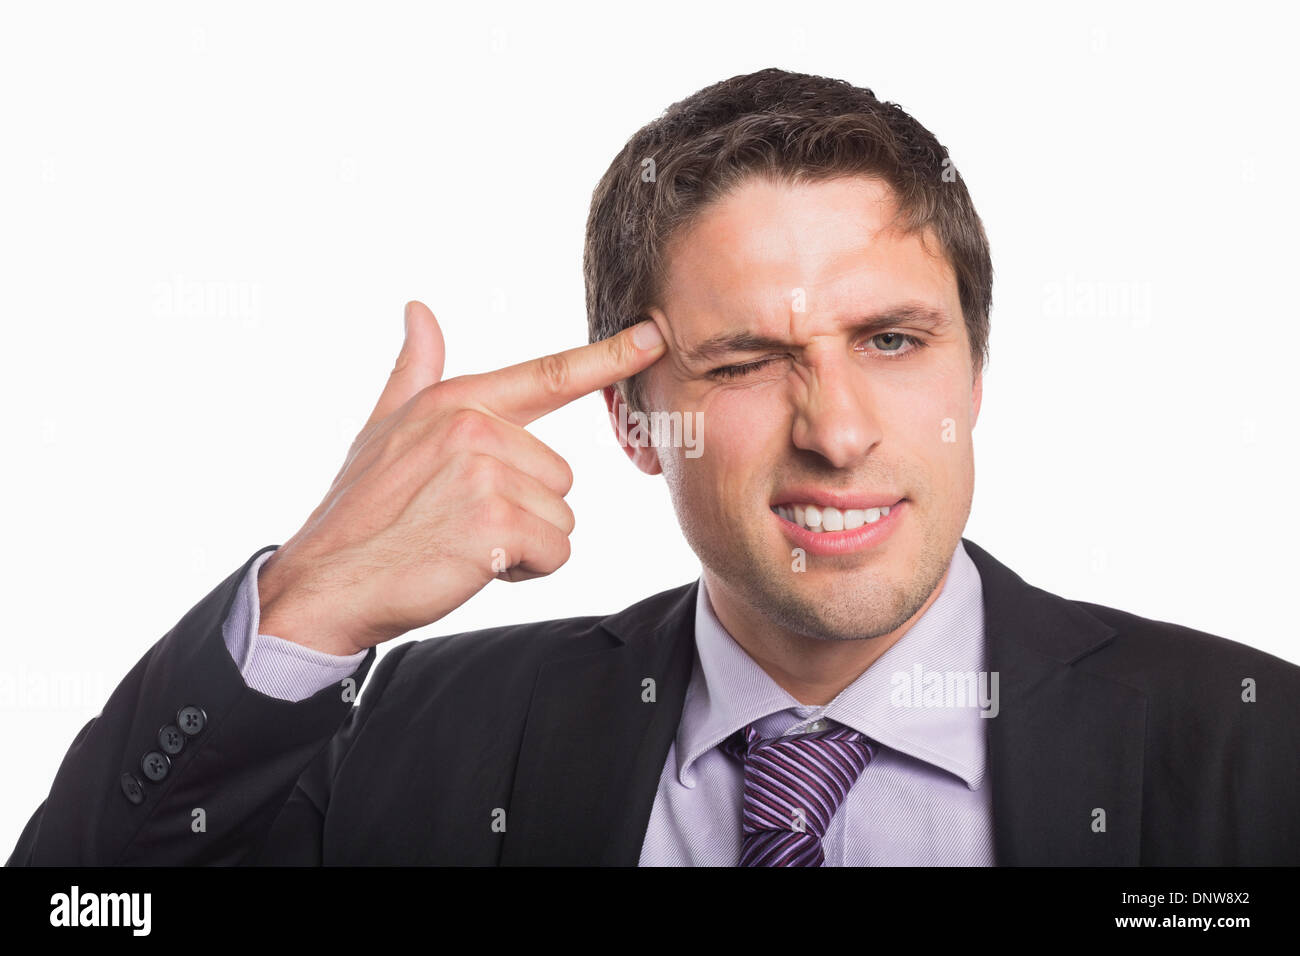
(1065, 751)
(594, 746)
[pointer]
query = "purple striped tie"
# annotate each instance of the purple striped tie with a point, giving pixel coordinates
(792, 788)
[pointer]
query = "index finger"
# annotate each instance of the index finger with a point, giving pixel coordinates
(527, 391)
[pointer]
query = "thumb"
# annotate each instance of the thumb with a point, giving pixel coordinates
(419, 364)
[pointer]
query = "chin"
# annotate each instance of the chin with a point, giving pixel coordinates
(859, 620)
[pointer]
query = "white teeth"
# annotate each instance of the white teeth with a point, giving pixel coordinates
(829, 518)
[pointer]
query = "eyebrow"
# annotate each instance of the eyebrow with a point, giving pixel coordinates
(744, 340)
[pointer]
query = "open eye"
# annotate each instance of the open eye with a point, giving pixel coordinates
(894, 342)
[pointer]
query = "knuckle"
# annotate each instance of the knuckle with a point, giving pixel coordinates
(621, 350)
(466, 427)
(553, 370)
(496, 512)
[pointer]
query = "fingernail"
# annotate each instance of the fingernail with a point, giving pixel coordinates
(646, 335)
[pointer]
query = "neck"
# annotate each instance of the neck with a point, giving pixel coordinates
(811, 670)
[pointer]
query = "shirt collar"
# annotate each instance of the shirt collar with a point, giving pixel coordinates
(916, 698)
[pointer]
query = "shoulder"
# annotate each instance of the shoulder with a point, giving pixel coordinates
(492, 658)
(506, 658)
(1151, 655)
(1160, 654)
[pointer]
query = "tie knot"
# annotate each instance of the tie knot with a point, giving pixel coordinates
(793, 786)
(838, 739)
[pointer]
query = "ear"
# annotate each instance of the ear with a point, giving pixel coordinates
(631, 436)
(977, 396)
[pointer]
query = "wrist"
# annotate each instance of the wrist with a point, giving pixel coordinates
(294, 612)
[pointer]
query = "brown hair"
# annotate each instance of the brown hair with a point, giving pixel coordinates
(784, 126)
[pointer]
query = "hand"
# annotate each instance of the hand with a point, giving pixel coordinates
(442, 491)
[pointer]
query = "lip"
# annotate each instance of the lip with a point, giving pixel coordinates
(808, 495)
(844, 542)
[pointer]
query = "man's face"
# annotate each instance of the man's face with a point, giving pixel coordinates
(865, 391)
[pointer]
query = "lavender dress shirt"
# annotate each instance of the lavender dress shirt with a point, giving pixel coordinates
(923, 801)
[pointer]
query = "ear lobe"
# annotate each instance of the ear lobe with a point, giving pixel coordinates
(626, 431)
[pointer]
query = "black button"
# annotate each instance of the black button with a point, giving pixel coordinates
(171, 740)
(132, 788)
(190, 720)
(155, 765)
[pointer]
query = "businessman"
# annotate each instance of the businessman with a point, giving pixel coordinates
(795, 271)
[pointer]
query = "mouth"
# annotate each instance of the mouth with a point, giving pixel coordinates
(828, 518)
(839, 524)
(824, 512)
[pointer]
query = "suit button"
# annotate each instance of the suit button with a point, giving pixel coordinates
(190, 720)
(171, 740)
(155, 765)
(131, 787)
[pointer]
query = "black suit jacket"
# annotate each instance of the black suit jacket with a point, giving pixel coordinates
(532, 744)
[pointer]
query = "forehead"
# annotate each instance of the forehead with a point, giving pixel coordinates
(747, 254)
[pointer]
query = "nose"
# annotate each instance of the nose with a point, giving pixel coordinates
(835, 416)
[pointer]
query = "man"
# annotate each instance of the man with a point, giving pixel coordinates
(795, 268)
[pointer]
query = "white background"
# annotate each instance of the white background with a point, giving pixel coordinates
(209, 223)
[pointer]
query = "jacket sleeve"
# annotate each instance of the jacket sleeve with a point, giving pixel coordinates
(188, 765)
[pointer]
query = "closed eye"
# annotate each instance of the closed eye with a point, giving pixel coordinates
(736, 371)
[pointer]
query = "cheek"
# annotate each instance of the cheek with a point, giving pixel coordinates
(935, 424)
(927, 423)
(939, 396)
(758, 409)
(747, 427)
(744, 432)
